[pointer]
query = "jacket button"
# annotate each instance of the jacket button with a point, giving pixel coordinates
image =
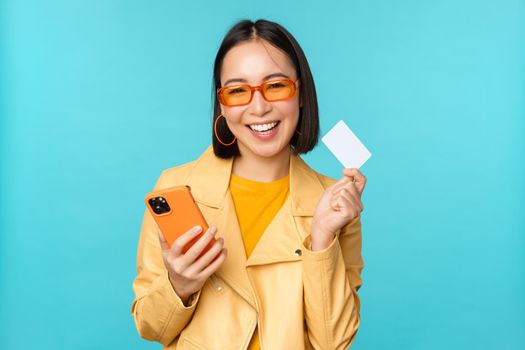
(298, 252)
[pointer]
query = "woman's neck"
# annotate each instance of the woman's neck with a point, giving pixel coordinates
(262, 169)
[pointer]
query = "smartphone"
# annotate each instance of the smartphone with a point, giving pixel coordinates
(175, 212)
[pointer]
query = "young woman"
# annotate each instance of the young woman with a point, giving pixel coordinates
(286, 266)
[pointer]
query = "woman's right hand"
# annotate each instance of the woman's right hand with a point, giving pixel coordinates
(188, 274)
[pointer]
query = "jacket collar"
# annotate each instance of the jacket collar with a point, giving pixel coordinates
(210, 178)
(209, 182)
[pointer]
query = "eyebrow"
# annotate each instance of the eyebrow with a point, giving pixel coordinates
(273, 75)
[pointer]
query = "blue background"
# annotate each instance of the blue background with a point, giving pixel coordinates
(98, 97)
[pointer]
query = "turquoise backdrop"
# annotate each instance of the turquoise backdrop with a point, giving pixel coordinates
(98, 97)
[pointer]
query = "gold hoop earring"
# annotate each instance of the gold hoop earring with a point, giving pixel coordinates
(217, 135)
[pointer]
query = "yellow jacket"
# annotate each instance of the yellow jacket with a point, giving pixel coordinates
(301, 299)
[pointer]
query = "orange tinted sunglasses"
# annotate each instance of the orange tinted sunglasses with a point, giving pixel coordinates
(272, 90)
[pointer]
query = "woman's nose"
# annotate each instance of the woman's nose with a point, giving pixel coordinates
(259, 105)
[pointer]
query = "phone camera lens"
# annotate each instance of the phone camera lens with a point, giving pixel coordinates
(159, 205)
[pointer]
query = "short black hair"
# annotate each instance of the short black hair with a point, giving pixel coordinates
(277, 35)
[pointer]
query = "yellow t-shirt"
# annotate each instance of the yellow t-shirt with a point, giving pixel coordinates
(256, 204)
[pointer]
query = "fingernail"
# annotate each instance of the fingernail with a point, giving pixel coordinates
(197, 229)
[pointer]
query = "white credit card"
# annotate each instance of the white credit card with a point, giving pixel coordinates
(345, 146)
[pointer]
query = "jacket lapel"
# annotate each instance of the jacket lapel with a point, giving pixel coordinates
(233, 269)
(291, 225)
(209, 181)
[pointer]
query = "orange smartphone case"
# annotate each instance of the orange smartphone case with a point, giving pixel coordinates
(175, 212)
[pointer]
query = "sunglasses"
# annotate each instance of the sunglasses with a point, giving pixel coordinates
(272, 90)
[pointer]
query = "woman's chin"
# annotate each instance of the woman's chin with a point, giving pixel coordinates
(267, 150)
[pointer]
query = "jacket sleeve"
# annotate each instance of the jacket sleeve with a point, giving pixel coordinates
(331, 278)
(158, 311)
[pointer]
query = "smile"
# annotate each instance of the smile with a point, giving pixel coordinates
(263, 127)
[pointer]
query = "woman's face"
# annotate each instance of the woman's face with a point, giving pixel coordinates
(254, 62)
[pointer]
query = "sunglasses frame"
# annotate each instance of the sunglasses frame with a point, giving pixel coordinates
(258, 87)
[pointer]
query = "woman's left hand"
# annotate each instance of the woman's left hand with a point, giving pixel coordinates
(339, 204)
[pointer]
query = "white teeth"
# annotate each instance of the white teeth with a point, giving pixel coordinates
(263, 127)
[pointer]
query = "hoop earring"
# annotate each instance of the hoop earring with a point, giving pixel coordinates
(217, 135)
